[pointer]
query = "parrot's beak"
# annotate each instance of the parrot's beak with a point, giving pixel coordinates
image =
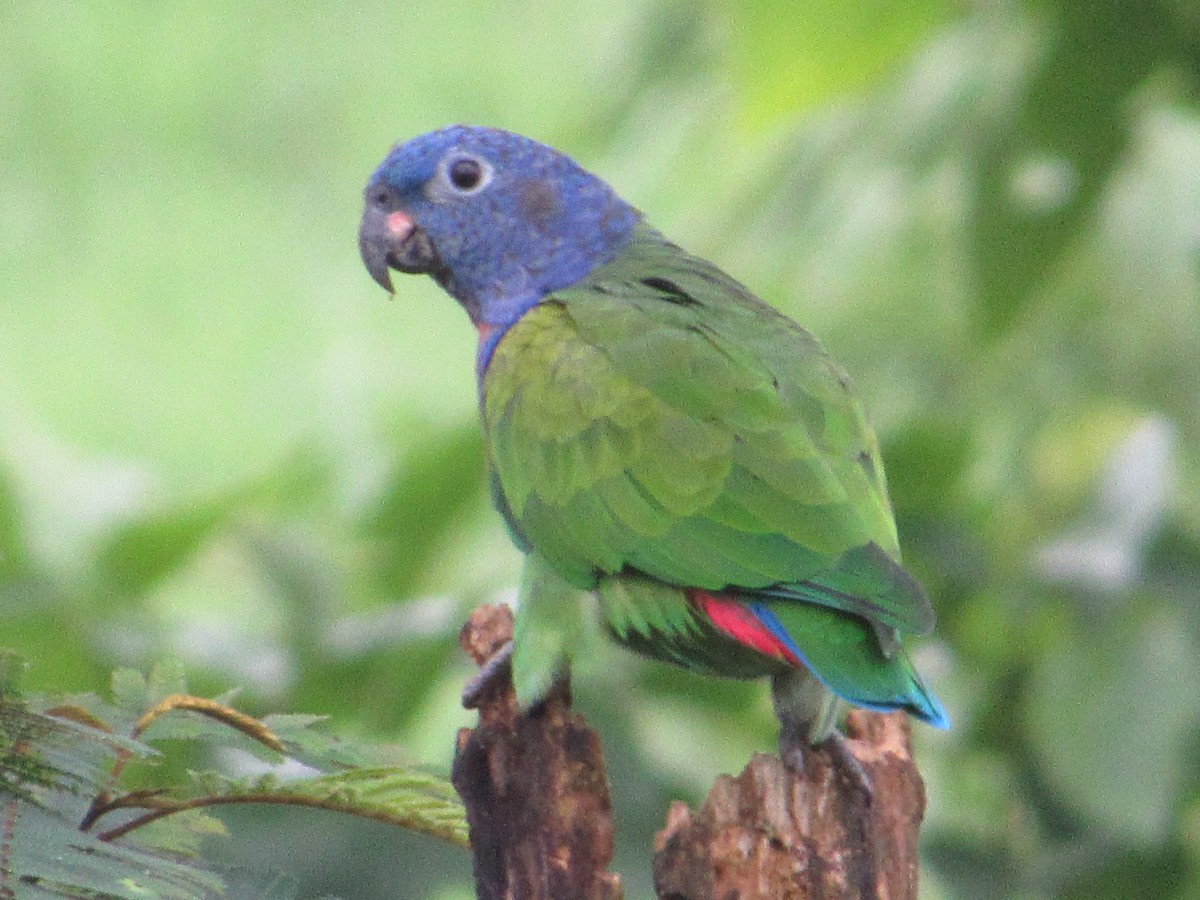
(392, 240)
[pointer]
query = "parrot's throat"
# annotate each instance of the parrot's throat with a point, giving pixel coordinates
(489, 337)
(494, 326)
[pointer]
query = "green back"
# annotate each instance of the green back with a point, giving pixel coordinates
(657, 417)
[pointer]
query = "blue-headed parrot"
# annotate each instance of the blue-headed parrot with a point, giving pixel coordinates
(657, 437)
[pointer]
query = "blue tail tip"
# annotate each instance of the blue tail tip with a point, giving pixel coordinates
(927, 708)
(931, 712)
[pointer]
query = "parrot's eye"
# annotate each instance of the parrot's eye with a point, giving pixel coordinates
(466, 174)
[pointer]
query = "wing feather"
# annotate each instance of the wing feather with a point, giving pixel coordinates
(657, 417)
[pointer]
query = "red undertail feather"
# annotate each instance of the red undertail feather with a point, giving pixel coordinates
(735, 620)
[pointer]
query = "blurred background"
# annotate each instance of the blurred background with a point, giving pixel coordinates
(220, 441)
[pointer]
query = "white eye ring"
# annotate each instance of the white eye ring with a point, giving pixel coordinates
(464, 173)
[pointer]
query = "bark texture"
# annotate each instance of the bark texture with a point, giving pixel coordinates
(534, 787)
(770, 833)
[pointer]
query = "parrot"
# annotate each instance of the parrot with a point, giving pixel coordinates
(667, 450)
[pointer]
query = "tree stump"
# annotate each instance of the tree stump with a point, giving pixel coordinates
(534, 787)
(771, 833)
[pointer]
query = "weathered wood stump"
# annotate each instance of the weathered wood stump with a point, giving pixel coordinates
(770, 833)
(534, 787)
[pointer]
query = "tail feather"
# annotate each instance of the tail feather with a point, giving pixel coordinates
(841, 650)
(740, 622)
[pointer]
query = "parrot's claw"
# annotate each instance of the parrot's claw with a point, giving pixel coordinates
(794, 751)
(843, 758)
(793, 755)
(497, 666)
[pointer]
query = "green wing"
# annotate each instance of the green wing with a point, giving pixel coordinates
(658, 417)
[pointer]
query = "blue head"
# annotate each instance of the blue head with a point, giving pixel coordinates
(498, 219)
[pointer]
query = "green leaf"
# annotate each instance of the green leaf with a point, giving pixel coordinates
(12, 547)
(925, 463)
(166, 678)
(139, 554)
(129, 690)
(1108, 715)
(12, 672)
(1040, 178)
(420, 502)
(790, 56)
(63, 753)
(406, 797)
(49, 851)
(182, 833)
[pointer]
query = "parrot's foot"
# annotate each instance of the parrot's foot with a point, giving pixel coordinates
(497, 666)
(795, 750)
(844, 759)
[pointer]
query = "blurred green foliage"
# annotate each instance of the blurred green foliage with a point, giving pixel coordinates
(217, 440)
(110, 800)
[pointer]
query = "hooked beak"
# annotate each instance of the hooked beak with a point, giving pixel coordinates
(390, 239)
